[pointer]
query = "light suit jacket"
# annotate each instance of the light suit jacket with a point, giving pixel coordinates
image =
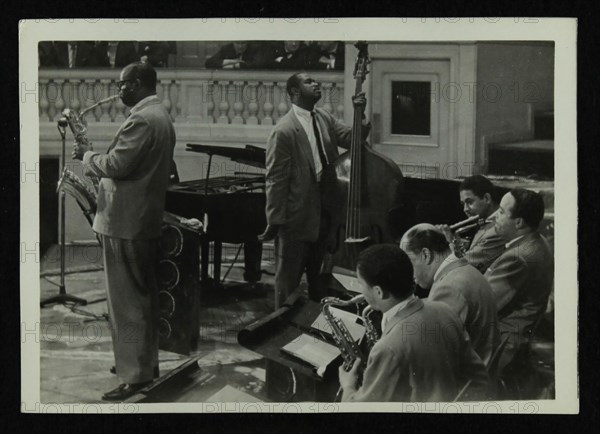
(293, 196)
(423, 355)
(485, 248)
(521, 279)
(135, 174)
(468, 293)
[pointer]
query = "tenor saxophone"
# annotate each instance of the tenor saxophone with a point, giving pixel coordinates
(348, 347)
(78, 126)
(372, 332)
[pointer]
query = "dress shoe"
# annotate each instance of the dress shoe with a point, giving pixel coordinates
(124, 391)
(113, 370)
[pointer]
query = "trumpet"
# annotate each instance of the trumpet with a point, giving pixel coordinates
(474, 222)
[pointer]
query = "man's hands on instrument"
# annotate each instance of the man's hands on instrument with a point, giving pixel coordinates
(269, 234)
(457, 244)
(79, 149)
(349, 380)
(360, 100)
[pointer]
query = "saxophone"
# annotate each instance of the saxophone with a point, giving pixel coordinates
(78, 126)
(348, 347)
(372, 332)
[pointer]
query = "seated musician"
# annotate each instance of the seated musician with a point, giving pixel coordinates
(521, 278)
(424, 353)
(478, 198)
(455, 282)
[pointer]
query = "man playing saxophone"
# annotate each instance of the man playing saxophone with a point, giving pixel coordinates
(424, 353)
(131, 196)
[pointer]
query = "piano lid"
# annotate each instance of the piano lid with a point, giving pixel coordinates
(250, 155)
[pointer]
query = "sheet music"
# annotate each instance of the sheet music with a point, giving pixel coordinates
(312, 350)
(350, 320)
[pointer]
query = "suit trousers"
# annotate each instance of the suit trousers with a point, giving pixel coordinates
(132, 296)
(292, 258)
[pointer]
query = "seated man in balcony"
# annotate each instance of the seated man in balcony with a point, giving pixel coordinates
(242, 55)
(521, 278)
(291, 55)
(327, 55)
(73, 54)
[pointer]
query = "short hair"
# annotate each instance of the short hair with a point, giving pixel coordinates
(479, 185)
(144, 72)
(293, 82)
(529, 206)
(426, 236)
(387, 266)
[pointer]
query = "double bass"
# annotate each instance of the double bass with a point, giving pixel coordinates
(361, 192)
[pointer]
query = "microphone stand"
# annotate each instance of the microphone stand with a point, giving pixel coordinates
(62, 296)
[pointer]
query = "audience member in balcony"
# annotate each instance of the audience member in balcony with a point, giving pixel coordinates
(243, 55)
(291, 55)
(157, 52)
(301, 145)
(74, 54)
(328, 55)
(521, 278)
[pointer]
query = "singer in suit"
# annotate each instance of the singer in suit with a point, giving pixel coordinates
(299, 148)
(424, 353)
(134, 177)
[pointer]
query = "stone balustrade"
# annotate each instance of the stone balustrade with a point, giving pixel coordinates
(213, 107)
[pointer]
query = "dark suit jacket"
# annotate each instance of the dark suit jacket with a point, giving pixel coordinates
(485, 248)
(297, 61)
(315, 53)
(135, 174)
(423, 356)
(468, 293)
(521, 279)
(257, 55)
(88, 54)
(292, 189)
(126, 53)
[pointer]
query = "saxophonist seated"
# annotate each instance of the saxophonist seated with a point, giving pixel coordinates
(424, 353)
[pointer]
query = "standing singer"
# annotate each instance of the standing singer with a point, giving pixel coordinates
(134, 177)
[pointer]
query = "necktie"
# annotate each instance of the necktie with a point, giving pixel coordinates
(320, 148)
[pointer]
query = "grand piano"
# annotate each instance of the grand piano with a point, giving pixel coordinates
(232, 207)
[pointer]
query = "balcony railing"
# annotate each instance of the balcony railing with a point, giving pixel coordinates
(207, 106)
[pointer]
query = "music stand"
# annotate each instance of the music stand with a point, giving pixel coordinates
(62, 296)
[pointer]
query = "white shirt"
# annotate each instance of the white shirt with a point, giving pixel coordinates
(389, 314)
(449, 260)
(305, 118)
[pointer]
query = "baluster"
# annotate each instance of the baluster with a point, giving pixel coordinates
(105, 115)
(339, 99)
(44, 104)
(223, 105)
(119, 110)
(173, 98)
(59, 103)
(238, 105)
(268, 105)
(113, 106)
(252, 104)
(282, 107)
(178, 100)
(88, 94)
(327, 89)
(97, 97)
(210, 102)
(74, 98)
(166, 95)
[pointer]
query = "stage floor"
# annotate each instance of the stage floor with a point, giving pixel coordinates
(76, 349)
